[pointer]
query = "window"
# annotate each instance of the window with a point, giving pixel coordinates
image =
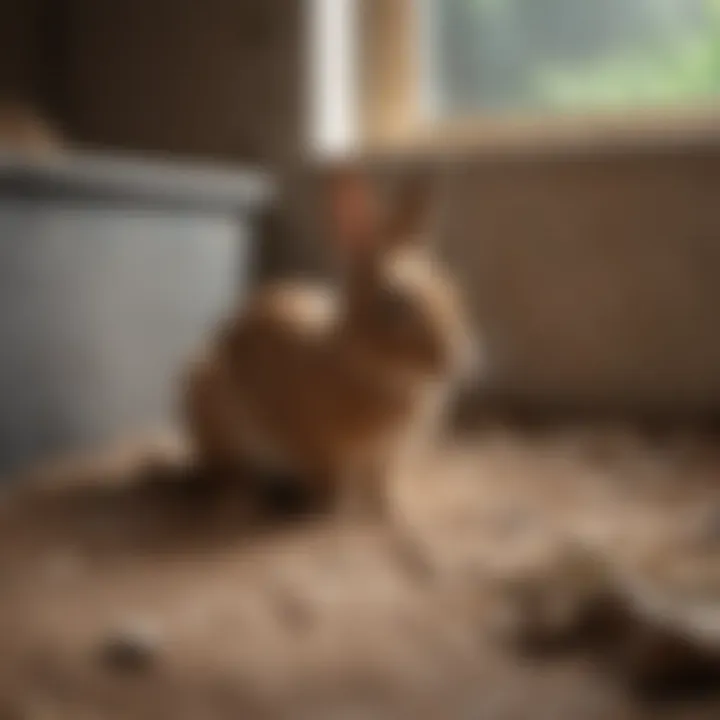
(391, 72)
(564, 56)
(333, 33)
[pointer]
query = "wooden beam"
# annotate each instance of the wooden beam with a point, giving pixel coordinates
(390, 66)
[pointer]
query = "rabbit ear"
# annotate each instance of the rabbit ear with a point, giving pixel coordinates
(414, 211)
(354, 212)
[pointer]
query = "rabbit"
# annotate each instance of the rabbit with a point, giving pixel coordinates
(333, 386)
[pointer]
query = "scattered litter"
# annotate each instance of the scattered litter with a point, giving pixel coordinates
(577, 605)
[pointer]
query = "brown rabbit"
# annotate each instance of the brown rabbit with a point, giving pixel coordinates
(331, 387)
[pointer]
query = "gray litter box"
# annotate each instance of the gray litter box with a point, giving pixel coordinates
(111, 273)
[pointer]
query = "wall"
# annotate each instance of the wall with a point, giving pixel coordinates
(217, 78)
(19, 43)
(597, 278)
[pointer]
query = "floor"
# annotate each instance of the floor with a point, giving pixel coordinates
(123, 594)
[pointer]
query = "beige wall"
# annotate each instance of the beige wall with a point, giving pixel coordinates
(597, 279)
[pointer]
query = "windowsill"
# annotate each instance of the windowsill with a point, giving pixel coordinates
(656, 129)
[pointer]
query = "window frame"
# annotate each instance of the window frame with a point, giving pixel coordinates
(391, 95)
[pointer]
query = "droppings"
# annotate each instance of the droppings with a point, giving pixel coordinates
(131, 649)
(659, 663)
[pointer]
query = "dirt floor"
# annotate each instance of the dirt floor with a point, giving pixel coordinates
(123, 595)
